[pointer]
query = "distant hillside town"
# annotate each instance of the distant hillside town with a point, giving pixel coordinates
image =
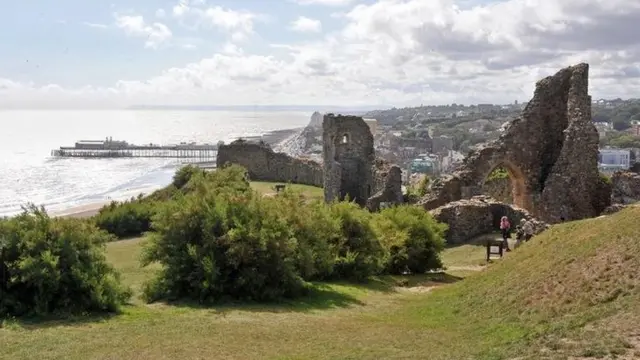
(433, 140)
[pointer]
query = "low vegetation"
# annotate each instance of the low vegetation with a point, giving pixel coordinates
(53, 266)
(225, 241)
(216, 239)
(498, 173)
(571, 292)
(132, 218)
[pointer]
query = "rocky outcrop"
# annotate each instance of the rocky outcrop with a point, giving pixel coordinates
(480, 215)
(264, 164)
(614, 208)
(625, 187)
(550, 152)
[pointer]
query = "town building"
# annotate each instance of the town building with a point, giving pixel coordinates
(610, 160)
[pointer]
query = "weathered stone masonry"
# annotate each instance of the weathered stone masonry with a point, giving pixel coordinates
(351, 168)
(550, 152)
(264, 164)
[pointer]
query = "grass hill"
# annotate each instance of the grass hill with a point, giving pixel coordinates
(571, 292)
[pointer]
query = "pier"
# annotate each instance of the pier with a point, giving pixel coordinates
(109, 148)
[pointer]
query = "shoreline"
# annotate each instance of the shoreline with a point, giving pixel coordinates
(273, 138)
(81, 211)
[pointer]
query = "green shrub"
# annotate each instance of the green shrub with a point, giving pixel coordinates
(498, 173)
(412, 239)
(127, 219)
(423, 186)
(55, 266)
(133, 218)
(184, 174)
(316, 230)
(225, 245)
(359, 253)
(221, 240)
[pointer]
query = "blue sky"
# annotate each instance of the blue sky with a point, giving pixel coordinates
(50, 41)
(338, 52)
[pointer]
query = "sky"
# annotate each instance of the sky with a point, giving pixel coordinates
(78, 53)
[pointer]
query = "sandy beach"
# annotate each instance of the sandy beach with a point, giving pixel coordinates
(82, 211)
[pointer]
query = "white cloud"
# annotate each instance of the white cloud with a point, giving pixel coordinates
(395, 52)
(95, 25)
(237, 23)
(305, 24)
(155, 34)
(324, 2)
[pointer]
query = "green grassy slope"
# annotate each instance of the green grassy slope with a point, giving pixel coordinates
(572, 291)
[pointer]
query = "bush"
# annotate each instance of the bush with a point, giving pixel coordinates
(221, 246)
(55, 266)
(358, 250)
(412, 239)
(127, 219)
(423, 186)
(133, 218)
(184, 174)
(221, 240)
(316, 230)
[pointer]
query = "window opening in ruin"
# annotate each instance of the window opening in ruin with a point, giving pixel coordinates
(345, 138)
(506, 184)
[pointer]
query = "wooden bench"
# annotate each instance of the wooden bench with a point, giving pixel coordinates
(280, 187)
(497, 243)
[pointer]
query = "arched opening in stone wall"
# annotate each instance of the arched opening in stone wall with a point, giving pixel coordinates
(506, 183)
(345, 139)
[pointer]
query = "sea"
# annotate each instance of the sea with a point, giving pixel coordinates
(29, 175)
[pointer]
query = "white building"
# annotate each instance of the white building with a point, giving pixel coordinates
(614, 159)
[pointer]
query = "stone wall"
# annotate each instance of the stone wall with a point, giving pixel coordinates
(499, 189)
(264, 164)
(550, 152)
(387, 185)
(479, 215)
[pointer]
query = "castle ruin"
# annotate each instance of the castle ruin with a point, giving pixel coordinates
(264, 164)
(351, 169)
(550, 153)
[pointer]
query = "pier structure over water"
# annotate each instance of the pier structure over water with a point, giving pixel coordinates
(109, 148)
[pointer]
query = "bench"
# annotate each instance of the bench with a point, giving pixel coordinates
(495, 243)
(280, 187)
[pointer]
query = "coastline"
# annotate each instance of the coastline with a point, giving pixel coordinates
(82, 211)
(88, 210)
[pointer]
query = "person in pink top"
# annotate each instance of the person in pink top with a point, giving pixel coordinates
(505, 228)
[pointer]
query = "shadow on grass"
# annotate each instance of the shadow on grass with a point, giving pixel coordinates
(59, 320)
(321, 296)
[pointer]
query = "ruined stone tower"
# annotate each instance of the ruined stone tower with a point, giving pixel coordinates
(550, 152)
(349, 157)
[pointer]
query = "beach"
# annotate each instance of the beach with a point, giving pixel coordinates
(273, 138)
(81, 212)
(64, 186)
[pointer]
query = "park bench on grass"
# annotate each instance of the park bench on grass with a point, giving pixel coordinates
(280, 187)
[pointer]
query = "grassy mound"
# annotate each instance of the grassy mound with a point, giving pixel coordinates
(570, 292)
(562, 294)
